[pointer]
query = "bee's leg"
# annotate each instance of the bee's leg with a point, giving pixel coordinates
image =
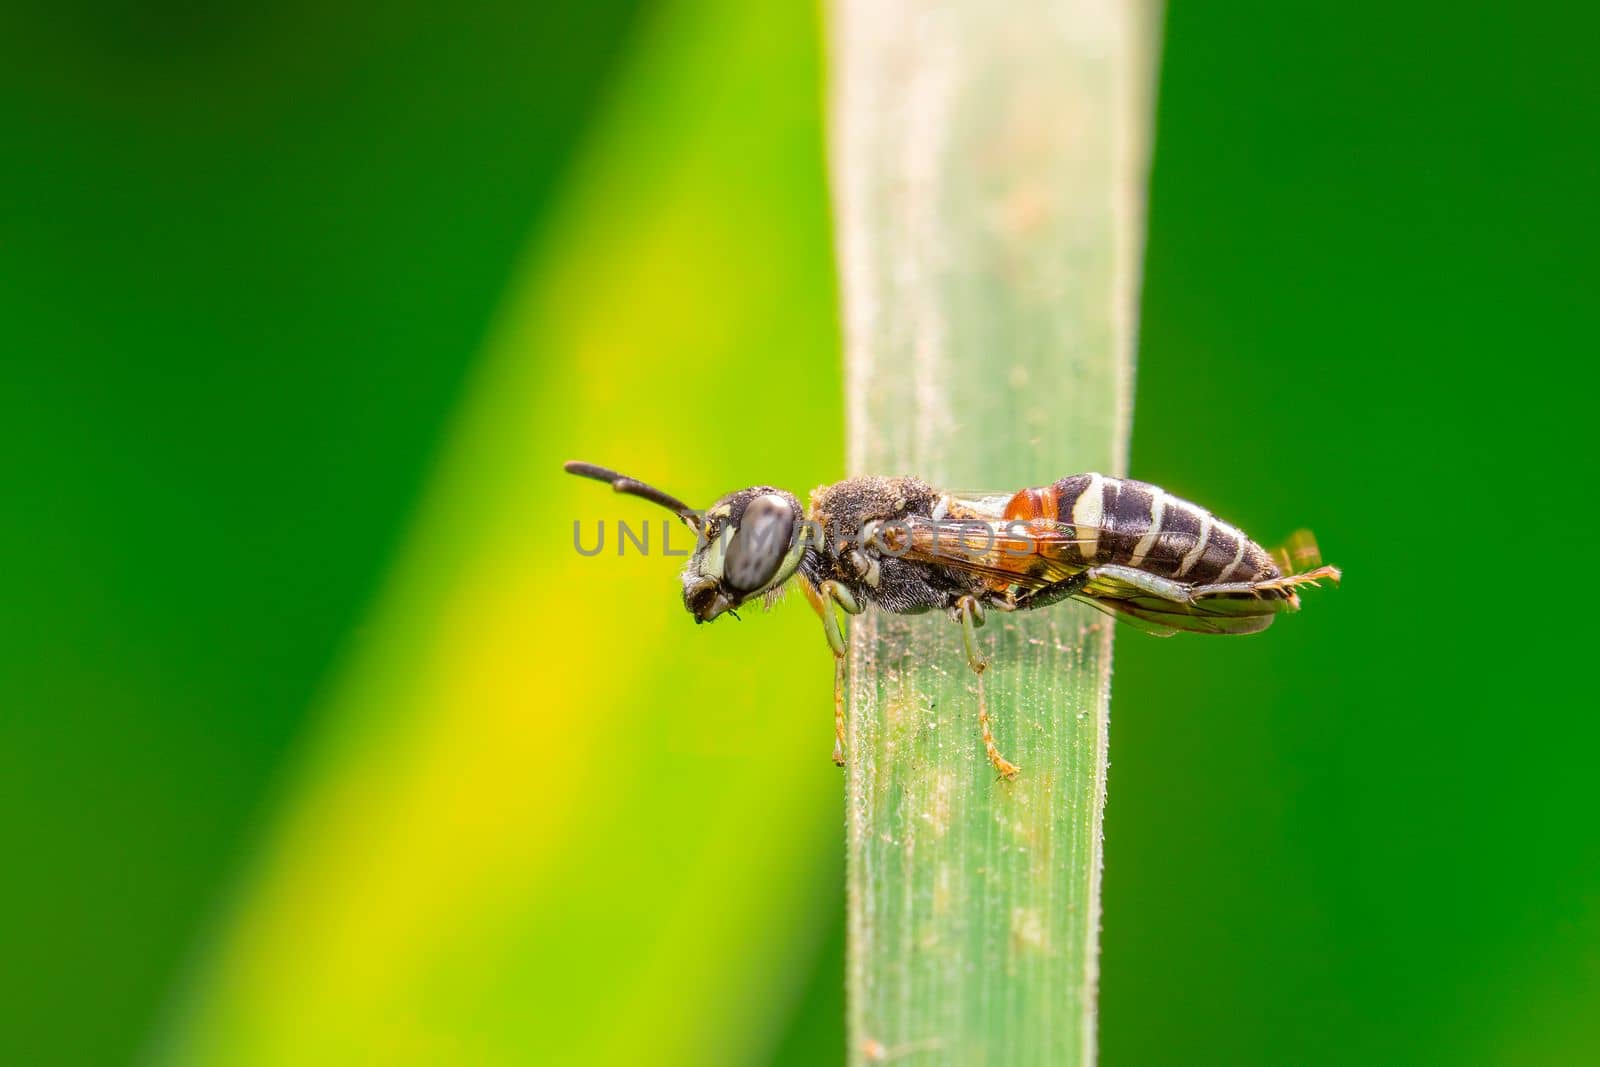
(971, 613)
(837, 594)
(823, 599)
(866, 568)
(1006, 768)
(1155, 585)
(1285, 583)
(1281, 588)
(1053, 593)
(838, 711)
(1168, 589)
(833, 593)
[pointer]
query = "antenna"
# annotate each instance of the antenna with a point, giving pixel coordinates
(633, 487)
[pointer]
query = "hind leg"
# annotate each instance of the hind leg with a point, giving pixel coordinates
(1053, 593)
(1165, 588)
(1284, 583)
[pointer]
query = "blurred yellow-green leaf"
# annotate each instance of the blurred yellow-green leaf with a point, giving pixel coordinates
(546, 820)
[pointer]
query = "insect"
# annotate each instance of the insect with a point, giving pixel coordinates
(1129, 548)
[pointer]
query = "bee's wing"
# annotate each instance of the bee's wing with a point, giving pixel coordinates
(1165, 617)
(1128, 615)
(1024, 553)
(1236, 610)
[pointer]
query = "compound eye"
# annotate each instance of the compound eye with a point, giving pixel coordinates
(758, 547)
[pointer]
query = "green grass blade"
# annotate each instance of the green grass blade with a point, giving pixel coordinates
(989, 183)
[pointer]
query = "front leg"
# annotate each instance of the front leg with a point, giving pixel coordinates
(823, 600)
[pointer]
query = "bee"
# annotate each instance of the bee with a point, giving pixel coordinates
(1128, 548)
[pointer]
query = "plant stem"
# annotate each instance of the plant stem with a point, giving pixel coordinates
(988, 172)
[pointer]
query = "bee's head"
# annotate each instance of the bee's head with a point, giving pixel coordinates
(749, 545)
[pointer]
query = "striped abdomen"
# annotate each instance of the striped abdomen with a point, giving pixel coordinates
(1135, 524)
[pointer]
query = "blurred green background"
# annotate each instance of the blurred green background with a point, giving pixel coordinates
(318, 743)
